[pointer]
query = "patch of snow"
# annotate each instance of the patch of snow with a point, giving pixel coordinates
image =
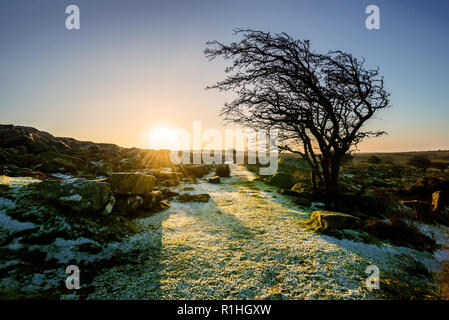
(6, 204)
(97, 163)
(439, 233)
(44, 281)
(15, 244)
(11, 225)
(65, 250)
(109, 207)
(74, 197)
(62, 175)
(10, 263)
(70, 296)
(70, 181)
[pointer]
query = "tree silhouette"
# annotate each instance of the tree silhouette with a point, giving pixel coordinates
(319, 102)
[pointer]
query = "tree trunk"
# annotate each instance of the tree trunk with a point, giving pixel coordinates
(331, 183)
(333, 190)
(315, 183)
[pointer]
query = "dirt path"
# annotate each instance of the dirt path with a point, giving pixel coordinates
(246, 243)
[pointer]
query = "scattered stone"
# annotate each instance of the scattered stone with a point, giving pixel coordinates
(169, 175)
(170, 183)
(223, 170)
(130, 163)
(303, 201)
(164, 204)
(131, 183)
(326, 221)
(196, 170)
(77, 194)
(110, 205)
(52, 162)
(290, 193)
(283, 180)
(421, 207)
(186, 197)
(301, 188)
(126, 204)
(214, 179)
(150, 199)
(440, 200)
(167, 193)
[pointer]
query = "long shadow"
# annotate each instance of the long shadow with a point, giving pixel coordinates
(137, 273)
(233, 226)
(132, 273)
(217, 217)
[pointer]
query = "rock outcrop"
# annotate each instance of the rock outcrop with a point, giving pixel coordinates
(328, 221)
(186, 197)
(151, 199)
(127, 204)
(78, 194)
(282, 180)
(440, 201)
(125, 183)
(64, 201)
(223, 170)
(214, 179)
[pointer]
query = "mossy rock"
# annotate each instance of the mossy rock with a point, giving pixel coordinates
(302, 187)
(185, 197)
(329, 221)
(124, 183)
(283, 180)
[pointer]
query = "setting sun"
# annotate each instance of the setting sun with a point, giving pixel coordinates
(162, 137)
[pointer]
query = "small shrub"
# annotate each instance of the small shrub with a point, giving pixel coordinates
(439, 165)
(397, 170)
(398, 289)
(400, 233)
(419, 162)
(442, 291)
(416, 265)
(397, 286)
(388, 201)
(374, 160)
(283, 180)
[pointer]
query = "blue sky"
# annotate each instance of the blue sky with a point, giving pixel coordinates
(135, 65)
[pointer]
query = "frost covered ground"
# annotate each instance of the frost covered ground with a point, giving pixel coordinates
(248, 242)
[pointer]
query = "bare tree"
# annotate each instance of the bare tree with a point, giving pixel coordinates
(319, 102)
